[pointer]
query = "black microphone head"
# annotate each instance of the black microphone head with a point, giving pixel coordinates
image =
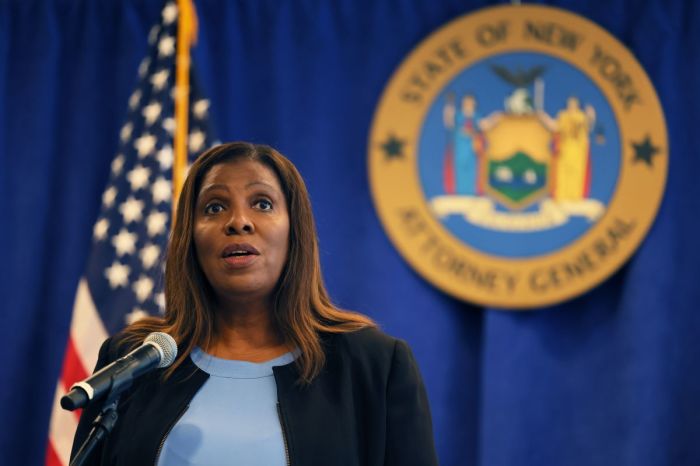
(165, 344)
(76, 398)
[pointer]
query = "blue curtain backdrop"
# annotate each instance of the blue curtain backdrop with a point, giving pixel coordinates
(610, 378)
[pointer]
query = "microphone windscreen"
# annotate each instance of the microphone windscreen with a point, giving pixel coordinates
(167, 345)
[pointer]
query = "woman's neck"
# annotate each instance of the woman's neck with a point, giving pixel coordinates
(246, 333)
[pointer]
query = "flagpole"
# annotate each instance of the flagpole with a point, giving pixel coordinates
(186, 36)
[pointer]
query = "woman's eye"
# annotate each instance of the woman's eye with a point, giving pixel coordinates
(263, 204)
(213, 208)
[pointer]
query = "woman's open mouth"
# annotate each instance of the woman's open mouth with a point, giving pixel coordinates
(239, 254)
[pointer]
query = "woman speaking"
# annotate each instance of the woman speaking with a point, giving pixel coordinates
(269, 372)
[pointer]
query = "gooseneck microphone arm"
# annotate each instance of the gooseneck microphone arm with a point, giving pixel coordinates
(158, 351)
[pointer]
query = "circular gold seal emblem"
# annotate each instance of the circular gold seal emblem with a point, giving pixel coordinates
(518, 156)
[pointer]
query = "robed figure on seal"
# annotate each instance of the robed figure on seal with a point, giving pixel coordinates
(572, 169)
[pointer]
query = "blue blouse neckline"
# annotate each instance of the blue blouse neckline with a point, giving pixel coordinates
(234, 369)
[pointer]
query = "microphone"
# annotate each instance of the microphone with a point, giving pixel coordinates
(157, 351)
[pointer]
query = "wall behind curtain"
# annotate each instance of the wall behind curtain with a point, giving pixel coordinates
(610, 378)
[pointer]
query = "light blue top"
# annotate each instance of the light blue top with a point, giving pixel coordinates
(233, 418)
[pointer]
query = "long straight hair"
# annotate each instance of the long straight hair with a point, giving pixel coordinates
(301, 306)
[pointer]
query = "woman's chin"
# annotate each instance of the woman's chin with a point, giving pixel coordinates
(243, 291)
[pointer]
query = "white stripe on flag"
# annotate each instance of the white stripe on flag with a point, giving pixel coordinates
(62, 427)
(87, 330)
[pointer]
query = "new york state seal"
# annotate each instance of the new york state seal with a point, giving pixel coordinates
(518, 156)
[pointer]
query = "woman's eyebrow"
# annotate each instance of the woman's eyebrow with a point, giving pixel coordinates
(211, 187)
(262, 183)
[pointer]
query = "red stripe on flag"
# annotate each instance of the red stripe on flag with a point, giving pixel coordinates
(73, 370)
(52, 457)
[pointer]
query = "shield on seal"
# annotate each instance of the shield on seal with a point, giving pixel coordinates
(518, 159)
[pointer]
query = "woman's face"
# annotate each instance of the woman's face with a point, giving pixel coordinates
(241, 230)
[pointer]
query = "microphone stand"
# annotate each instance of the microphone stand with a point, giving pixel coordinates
(101, 428)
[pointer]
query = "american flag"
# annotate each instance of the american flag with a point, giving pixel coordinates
(124, 274)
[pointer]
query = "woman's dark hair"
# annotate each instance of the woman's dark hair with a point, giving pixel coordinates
(301, 305)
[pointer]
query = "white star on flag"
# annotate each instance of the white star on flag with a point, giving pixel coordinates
(200, 108)
(125, 133)
(135, 315)
(145, 145)
(143, 67)
(138, 177)
(151, 112)
(155, 223)
(124, 242)
(166, 46)
(161, 190)
(135, 99)
(117, 164)
(169, 125)
(117, 274)
(153, 34)
(196, 142)
(143, 287)
(131, 210)
(159, 79)
(109, 196)
(149, 255)
(169, 13)
(100, 229)
(160, 300)
(165, 157)
(174, 92)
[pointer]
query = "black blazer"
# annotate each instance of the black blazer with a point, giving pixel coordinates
(367, 407)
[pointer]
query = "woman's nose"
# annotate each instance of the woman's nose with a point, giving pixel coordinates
(238, 223)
